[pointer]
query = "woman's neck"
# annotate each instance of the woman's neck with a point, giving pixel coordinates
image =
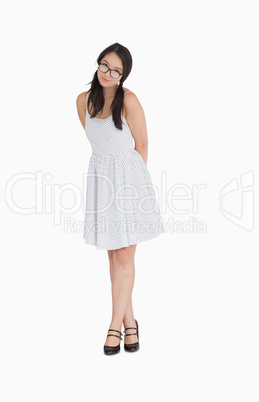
(109, 92)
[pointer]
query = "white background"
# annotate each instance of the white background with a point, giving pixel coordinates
(195, 72)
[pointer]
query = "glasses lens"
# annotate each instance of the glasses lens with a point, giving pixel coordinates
(103, 68)
(115, 74)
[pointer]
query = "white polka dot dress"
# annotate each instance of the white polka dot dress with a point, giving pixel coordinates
(120, 205)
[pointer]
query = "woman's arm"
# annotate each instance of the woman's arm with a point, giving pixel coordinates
(81, 107)
(137, 123)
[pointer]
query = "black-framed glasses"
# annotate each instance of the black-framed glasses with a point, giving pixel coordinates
(115, 74)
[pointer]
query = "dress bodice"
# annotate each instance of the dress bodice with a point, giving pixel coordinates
(105, 138)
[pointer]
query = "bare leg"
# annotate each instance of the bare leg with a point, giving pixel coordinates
(122, 272)
(128, 320)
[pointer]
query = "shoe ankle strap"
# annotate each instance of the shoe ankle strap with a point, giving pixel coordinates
(131, 334)
(116, 331)
(130, 328)
(136, 328)
(121, 334)
(117, 336)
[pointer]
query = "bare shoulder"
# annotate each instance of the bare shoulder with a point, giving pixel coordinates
(81, 99)
(131, 102)
(130, 98)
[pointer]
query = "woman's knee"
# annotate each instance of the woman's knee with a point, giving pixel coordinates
(122, 257)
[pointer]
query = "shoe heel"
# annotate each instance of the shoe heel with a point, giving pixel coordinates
(132, 347)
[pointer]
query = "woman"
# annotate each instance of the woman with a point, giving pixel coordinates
(121, 207)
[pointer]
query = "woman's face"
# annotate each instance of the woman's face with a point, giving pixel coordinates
(113, 61)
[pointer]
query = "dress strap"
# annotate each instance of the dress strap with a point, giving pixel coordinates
(126, 92)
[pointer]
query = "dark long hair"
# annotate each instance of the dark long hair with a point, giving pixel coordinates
(96, 92)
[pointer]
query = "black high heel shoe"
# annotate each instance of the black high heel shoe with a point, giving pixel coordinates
(112, 350)
(132, 347)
